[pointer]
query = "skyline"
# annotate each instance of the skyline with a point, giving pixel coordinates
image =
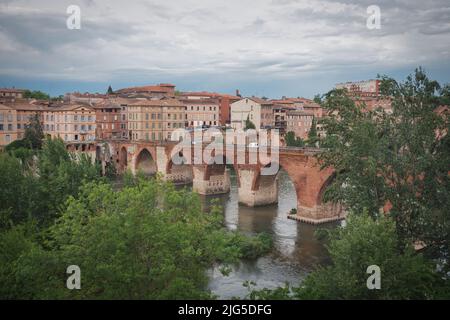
(279, 48)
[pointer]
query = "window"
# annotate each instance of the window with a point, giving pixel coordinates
(75, 127)
(18, 117)
(146, 116)
(8, 138)
(75, 118)
(1, 127)
(1, 117)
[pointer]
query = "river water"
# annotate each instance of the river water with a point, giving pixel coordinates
(296, 250)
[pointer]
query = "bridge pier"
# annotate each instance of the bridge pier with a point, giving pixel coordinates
(256, 189)
(211, 179)
(318, 214)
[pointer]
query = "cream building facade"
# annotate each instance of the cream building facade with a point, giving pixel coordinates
(155, 120)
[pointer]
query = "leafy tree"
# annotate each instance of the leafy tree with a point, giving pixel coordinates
(39, 95)
(36, 188)
(34, 133)
(61, 174)
(312, 134)
(110, 90)
(397, 160)
(364, 242)
(293, 141)
(318, 98)
(249, 124)
(15, 190)
(148, 241)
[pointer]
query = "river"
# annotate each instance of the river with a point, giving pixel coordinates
(296, 251)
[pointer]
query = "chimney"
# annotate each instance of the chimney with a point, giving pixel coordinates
(238, 94)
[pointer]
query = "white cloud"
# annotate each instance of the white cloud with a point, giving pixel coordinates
(276, 38)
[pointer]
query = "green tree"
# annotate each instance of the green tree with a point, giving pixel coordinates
(34, 133)
(39, 95)
(365, 242)
(362, 243)
(147, 241)
(60, 175)
(318, 98)
(293, 141)
(312, 134)
(249, 124)
(15, 190)
(397, 158)
(110, 90)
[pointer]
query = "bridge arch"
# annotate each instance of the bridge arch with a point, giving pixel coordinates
(145, 163)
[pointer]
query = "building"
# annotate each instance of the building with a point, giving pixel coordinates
(259, 111)
(11, 93)
(163, 90)
(299, 122)
(15, 117)
(361, 88)
(224, 103)
(72, 123)
(111, 119)
(155, 120)
(87, 98)
(8, 125)
(372, 103)
(201, 112)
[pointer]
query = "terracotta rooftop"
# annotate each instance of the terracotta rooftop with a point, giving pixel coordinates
(208, 94)
(12, 90)
(158, 103)
(163, 87)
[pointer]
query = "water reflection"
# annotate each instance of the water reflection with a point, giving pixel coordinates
(296, 250)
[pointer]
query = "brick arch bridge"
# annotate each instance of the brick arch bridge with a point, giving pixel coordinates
(256, 187)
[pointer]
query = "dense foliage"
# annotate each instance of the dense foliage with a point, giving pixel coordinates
(34, 186)
(145, 241)
(364, 242)
(395, 160)
(39, 95)
(292, 140)
(392, 175)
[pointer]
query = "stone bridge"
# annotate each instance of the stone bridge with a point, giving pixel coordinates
(211, 175)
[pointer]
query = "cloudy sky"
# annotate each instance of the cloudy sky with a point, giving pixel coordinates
(263, 47)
